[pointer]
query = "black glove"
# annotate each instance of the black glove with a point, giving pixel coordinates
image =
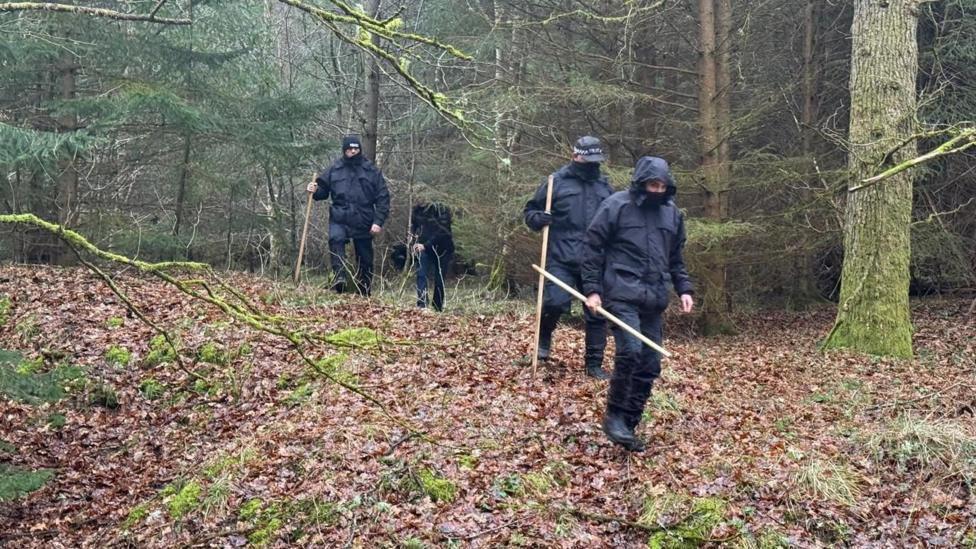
(542, 219)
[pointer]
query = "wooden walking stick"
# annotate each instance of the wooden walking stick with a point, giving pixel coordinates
(301, 247)
(542, 261)
(572, 291)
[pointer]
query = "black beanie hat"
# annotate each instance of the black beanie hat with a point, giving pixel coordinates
(351, 141)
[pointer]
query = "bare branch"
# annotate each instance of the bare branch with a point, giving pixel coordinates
(96, 12)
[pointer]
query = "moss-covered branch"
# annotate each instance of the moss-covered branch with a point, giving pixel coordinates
(962, 141)
(387, 28)
(246, 313)
(95, 12)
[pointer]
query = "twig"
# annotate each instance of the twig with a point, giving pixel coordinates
(904, 402)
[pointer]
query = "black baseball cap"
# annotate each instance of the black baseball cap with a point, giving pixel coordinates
(589, 148)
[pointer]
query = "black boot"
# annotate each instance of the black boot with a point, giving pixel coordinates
(596, 371)
(616, 429)
(547, 326)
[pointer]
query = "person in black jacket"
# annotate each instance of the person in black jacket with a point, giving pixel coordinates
(578, 190)
(434, 248)
(360, 206)
(633, 252)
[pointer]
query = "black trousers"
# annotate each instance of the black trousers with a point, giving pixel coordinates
(431, 265)
(557, 302)
(362, 273)
(636, 365)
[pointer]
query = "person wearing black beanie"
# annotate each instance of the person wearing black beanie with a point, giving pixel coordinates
(360, 207)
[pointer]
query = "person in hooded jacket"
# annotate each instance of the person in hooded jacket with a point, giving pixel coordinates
(578, 189)
(633, 253)
(360, 206)
(430, 223)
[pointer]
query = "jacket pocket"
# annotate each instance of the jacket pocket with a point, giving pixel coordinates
(623, 283)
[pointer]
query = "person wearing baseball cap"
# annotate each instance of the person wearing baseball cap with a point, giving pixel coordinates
(579, 188)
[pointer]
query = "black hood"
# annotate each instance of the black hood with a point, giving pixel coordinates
(649, 168)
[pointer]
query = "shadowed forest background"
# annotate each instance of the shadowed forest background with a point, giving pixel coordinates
(190, 135)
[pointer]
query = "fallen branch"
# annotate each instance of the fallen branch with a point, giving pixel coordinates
(256, 320)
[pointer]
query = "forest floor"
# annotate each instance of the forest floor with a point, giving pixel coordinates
(755, 440)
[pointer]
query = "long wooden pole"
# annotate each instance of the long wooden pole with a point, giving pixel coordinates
(542, 261)
(572, 291)
(301, 247)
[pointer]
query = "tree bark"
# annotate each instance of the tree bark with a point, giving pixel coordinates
(713, 117)
(67, 201)
(873, 314)
(181, 189)
(372, 91)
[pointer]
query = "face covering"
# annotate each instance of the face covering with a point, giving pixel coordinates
(656, 199)
(358, 159)
(588, 170)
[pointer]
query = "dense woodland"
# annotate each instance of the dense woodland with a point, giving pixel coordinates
(825, 161)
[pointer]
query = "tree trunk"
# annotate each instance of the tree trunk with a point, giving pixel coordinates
(804, 291)
(67, 201)
(873, 314)
(713, 117)
(181, 189)
(372, 92)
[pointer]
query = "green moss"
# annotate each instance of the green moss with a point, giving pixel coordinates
(413, 543)
(439, 489)
(56, 421)
(16, 482)
(115, 322)
(249, 511)
(5, 306)
(159, 352)
(265, 533)
(118, 356)
(204, 387)
(703, 516)
(185, 500)
(151, 389)
(136, 514)
(537, 483)
(231, 462)
(211, 353)
(300, 395)
(335, 366)
(266, 519)
(467, 461)
(356, 338)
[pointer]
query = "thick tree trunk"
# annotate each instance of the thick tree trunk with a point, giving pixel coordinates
(873, 313)
(372, 93)
(713, 118)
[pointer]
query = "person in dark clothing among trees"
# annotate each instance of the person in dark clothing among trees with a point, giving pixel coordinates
(360, 206)
(578, 189)
(434, 248)
(633, 252)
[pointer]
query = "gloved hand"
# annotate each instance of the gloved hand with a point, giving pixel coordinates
(543, 218)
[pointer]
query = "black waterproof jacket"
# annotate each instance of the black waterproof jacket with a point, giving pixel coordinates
(575, 201)
(432, 225)
(633, 247)
(359, 195)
